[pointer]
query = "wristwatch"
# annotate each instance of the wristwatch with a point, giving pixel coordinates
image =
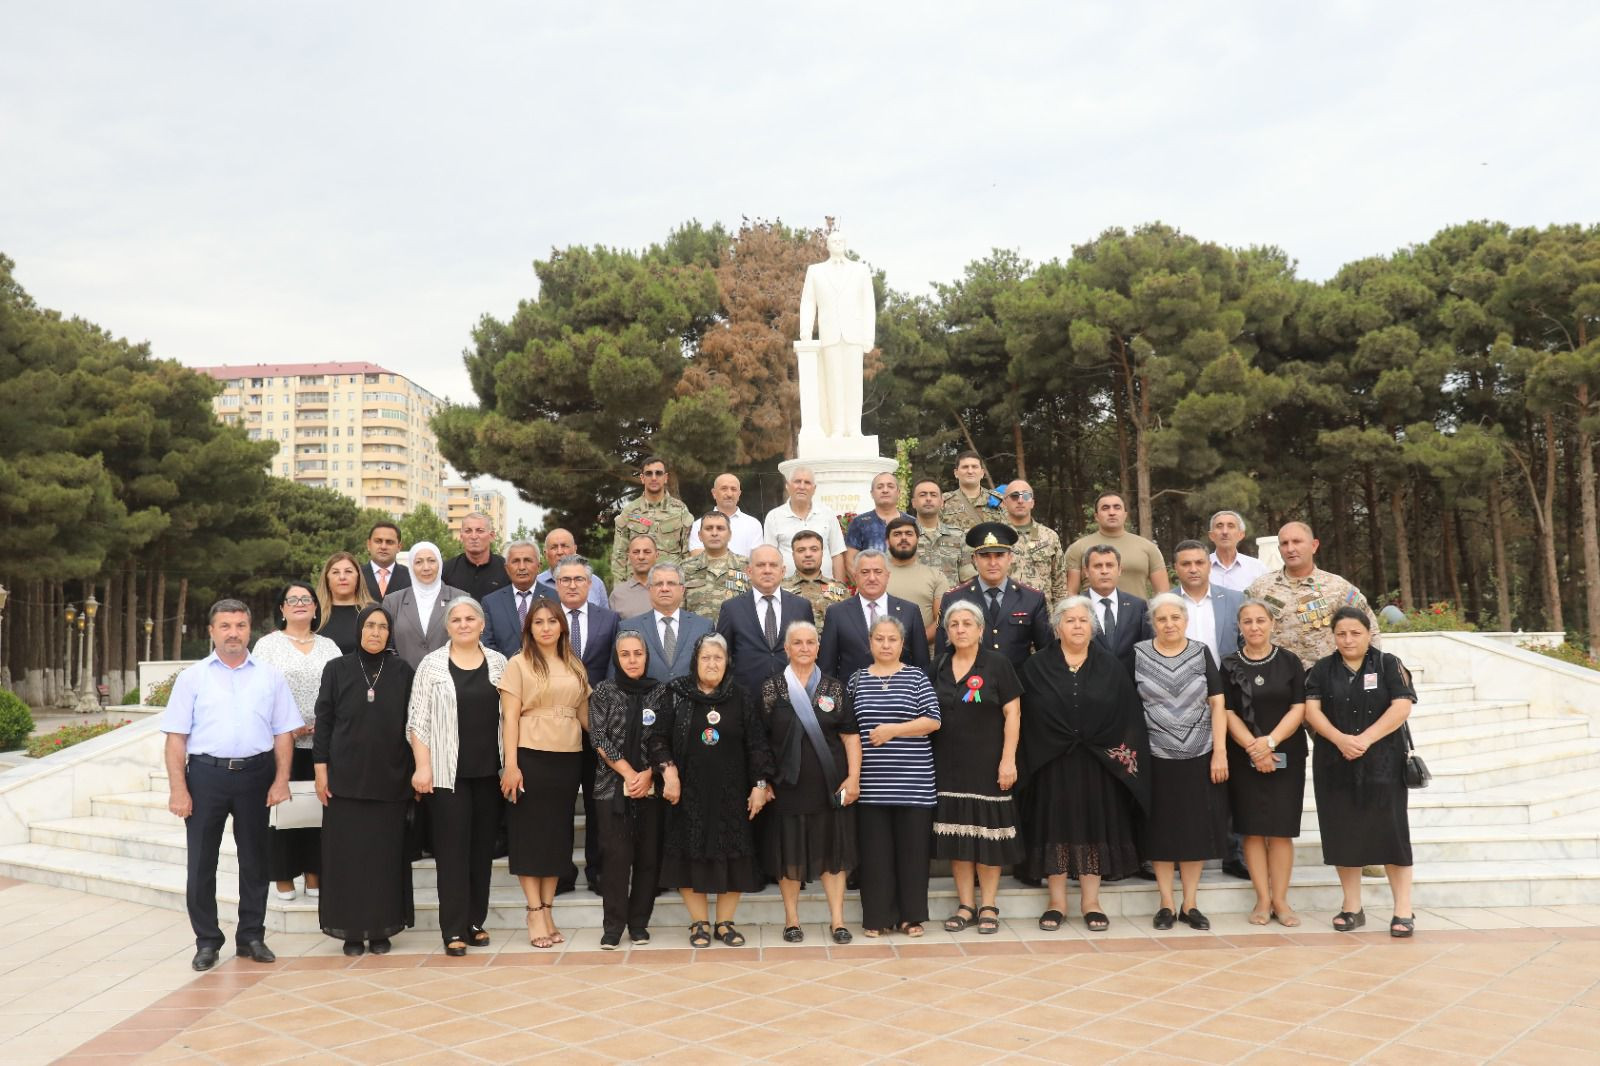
(761, 786)
(1272, 744)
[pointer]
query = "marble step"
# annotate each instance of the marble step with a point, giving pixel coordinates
(1495, 765)
(1522, 803)
(1436, 742)
(151, 808)
(1509, 713)
(1443, 884)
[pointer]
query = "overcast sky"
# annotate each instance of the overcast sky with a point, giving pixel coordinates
(315, 181)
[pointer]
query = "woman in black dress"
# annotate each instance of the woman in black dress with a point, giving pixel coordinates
(1085, 764)
(975, 765)
(709, 744)
(1356, 701)
(810, 835)
(627, 793)
(363, 774)
(1264, 689)
(454, 726)
(341, 595)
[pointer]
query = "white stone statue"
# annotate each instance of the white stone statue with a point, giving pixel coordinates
(838, 322)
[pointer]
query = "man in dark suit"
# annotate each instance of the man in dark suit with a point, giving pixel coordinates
(668, 630)
(505, 609)
(1213, 610)
(844, 634)
(754, 623)
(1120, 620)
(382, 572)
(1016, 618)
(591, 630)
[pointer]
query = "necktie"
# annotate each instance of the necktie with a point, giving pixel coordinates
(771, 625)
(383, 581)
(522, 608)
(669, 639)
(994, 608)
(872, 614)
(577, 632)
(1108, 625)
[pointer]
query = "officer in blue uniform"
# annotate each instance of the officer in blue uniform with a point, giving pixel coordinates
(1017, 618)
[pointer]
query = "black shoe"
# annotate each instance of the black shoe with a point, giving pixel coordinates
(1146, 873)
(1164, 918)
(204, 958)
(1235, 868)
(257, 951)
(354, 948)
(610, 941)
(380, 946)
(1194, 919)
(639, 936)
(565, 885)
(455, 948)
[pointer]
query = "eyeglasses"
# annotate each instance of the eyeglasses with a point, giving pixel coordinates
(298, 601)
(571, 580)
(654, 473)
(1019, 495)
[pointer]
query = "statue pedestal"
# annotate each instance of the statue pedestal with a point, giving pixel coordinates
(1267, 552)
(844, 482)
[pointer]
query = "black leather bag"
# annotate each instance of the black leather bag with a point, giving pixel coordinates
(1417, 774)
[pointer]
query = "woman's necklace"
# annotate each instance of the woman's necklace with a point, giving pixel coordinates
(883, 679)
(372, 682)
(1245, 655)
(309, 638)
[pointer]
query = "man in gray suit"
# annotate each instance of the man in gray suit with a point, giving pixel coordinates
(668, 630)
(1213, 610)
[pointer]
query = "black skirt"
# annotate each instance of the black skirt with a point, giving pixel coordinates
(803, 847)
(1266, 805)
(1188, 820)
(734, 873)
(540, 823)
(1080, 820)
(366, 876)
(1363, 827)
(292, 852)
(968, 827)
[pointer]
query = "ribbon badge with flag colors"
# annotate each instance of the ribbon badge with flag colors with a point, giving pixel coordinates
(974, 690)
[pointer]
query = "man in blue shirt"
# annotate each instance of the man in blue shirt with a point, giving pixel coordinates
(229, 723)
(869, 531)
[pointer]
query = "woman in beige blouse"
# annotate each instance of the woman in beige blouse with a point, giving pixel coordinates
(544, 709)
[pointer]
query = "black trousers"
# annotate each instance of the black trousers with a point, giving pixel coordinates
(894, 844)
(593, 854)
(631, 849)
(216, 794)
(464, 821)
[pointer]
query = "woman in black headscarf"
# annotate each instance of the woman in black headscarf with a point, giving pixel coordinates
(363, 772)
(1085, 763)
(627, 794)
(709, 744)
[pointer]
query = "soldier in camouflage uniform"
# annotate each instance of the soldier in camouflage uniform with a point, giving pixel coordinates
(1040, 561)
(970, 503)
(1302, 598)
(808, 580)
(655, 512)
(716, 574)
(939, 544)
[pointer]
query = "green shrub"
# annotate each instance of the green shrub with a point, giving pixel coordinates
(161, 691)
(1441, 617)
(16, 722)
(1569, 652)
(68, 735)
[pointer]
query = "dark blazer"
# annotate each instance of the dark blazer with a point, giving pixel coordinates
(740, 624)
(502, 627)
(1024, 620)
(691, 627)
(410, 639)
(399, 578)
(599, 634)
(844, 638)
(1133, 625)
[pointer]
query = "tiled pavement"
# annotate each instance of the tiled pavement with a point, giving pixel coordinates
(88, 979)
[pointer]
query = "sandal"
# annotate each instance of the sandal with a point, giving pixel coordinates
(957, 921)
(873, 933)
(988, 920)
(793, 934)
(478, 938)
(729, 935)
(910, 929)
(455, 948)
(542, 942)
(1259, 917)
(841, 935)
(700, 934)
(1345, 921)
(1051, 920)
(1401, 928)
(1096, 921)
(1286, 918)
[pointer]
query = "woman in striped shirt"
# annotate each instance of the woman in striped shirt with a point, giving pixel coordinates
(897, 711)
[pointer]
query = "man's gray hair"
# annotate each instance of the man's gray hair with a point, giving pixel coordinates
(227, 606)
(571, 561)
(800, 470)
(1237, 517)
(522, 542)
(1071, 603)
(871, 553)
(478, 515)
(677, 572)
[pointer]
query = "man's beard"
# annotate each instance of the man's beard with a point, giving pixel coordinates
(903, 553)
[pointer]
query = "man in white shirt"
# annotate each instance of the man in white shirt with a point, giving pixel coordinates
(1213, 610)
(787, 519)
(745, 531)
(1230, 569)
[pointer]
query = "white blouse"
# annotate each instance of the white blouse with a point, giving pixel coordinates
(302, 671)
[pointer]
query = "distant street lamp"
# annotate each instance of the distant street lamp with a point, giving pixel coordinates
(67, 687)
(91, 607)
(3, 595)
(149, 631)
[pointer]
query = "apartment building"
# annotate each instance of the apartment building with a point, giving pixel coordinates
(355, 427)
(461, 499)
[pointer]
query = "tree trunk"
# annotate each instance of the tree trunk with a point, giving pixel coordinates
(1141, 452)
(1380, 576)
(1402, 544)
(159, 613)
(108, 634)
(1591, 535)
(1547, 530)
(1119, 410)
(131, 631)
(177, 618)
(28, 679)
(1502, 572)
(1452, 579)
(1468, 565)
(1016, 445)
(1341, 529)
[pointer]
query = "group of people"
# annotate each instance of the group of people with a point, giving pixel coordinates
(977, 694)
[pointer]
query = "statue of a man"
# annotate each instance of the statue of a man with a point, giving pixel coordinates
(837, 309)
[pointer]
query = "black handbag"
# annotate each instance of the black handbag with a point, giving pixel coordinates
(1417, 775)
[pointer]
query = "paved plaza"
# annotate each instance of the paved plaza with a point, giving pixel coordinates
(88, 979)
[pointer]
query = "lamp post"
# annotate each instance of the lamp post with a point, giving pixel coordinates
(3, 595)
(149, 630)
(91, 607)
(67, 688)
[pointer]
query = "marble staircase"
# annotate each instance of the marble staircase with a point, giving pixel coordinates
(1512, 819)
